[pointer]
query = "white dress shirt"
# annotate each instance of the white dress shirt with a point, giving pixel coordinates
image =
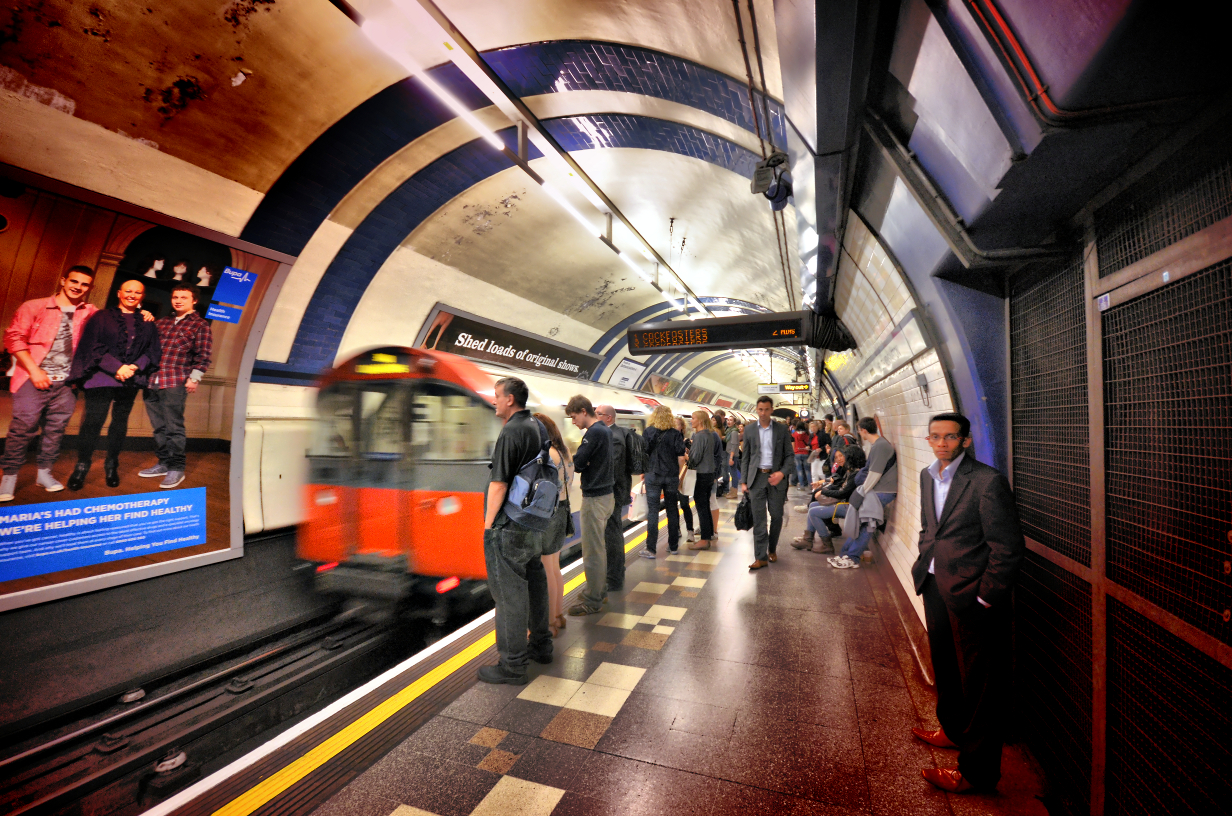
(942, 481)
(765, 438)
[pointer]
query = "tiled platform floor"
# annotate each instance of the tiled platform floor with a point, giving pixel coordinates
(702, 689)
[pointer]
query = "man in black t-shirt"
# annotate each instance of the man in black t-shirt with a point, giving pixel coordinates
(593, 462)
(512, 552)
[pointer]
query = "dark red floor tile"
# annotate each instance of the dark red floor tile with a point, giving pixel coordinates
(481, 702)
(524, 717)
(550, 763)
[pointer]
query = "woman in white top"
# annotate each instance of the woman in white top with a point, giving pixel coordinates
(556, 534)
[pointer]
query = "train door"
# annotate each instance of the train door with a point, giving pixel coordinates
(452, 433)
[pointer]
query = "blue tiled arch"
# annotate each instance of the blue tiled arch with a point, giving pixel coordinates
(312, 185)
(361, 256)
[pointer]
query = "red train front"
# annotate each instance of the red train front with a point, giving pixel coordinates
(397, 473)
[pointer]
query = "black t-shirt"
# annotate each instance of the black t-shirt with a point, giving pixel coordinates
(517, 444)
(593, 460)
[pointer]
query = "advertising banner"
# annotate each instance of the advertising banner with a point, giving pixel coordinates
(118, 377)
(627, 374)
(457, 332)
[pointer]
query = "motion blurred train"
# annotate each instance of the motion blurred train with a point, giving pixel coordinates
(398, 470)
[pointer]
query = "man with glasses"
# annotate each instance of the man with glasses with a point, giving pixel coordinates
(970, 550)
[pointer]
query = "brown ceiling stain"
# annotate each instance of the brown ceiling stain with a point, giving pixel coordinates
(165, 73)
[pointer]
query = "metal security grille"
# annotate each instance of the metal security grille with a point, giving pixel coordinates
(1189, 192)
(1048, 374)
(1169, 716)
(1054, 675)
(1168, 465)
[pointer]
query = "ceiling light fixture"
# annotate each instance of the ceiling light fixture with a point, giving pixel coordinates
(560, 199)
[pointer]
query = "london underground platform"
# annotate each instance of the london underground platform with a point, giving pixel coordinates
(702, 688)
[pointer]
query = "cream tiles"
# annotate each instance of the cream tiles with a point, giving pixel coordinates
(656, 589)
(664, 630)
(706, 557)
(550, 690)
(620, 620)
(691, 583)
(614, 675)
(653, 620)
(407, 810)
(670, 612)
(517, 797)
(595, 699)
(680, 558)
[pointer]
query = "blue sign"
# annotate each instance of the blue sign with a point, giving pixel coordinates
(227, 314)
(234, 286)
(37, 539)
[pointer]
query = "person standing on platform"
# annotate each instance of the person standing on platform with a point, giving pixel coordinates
(664, 447)
(800, 447)
(558, 531)
(765, 464)
(511, 552)
(118, 352)
(732, 448)
(186, 343)
(593, 461)
(682, 498)
(703, 456)
(42, 337)
(971, 547)
(622, 497)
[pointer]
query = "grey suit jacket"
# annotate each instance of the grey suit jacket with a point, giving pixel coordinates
(977, 542)
(781, 459)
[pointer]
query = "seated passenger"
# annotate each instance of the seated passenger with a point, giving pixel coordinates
(881, 482)
(831, 503)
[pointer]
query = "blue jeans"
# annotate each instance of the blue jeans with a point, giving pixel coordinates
(802, 469)
(520, 588)
(819, 514)
(854, 548)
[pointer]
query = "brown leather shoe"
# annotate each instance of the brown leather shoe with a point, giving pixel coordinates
(702, 544)
(935, 738)
(772, 557)
(948, 779)
(758, 564)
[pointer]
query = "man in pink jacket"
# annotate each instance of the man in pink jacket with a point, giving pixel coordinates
(42, 339)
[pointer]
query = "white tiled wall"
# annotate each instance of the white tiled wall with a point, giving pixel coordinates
(871, 300)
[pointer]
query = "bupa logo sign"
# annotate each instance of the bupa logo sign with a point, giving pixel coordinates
(234, 287)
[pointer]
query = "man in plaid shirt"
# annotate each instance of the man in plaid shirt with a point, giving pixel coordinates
(186, 344)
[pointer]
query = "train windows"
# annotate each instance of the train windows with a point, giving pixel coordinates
(334, 434)
(381, 411)
(447, 424)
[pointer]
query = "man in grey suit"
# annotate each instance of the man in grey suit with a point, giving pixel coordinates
(764, 465)
(970, 550)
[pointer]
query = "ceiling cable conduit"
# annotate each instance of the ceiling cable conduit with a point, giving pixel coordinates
(948, 222)
(532, 121)
(1035, 90)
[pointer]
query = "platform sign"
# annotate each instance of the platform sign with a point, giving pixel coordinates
(721, 333)
(627, 373)
(37, 539)
(783, 388)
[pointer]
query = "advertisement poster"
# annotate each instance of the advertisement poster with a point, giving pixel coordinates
(627, 374)
(661, 386)
(116, 391)
(455, 331)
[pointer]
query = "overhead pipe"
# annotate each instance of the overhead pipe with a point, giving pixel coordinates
(1014, 55)
(948, 222)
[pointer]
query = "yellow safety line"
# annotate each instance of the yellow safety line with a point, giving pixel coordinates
(283, 779)
(280, 781)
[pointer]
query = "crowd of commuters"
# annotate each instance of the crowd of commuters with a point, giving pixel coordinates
(63, 344)
(969, 549)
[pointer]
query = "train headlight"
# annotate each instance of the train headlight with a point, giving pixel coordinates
(448, 506)
(325, 498)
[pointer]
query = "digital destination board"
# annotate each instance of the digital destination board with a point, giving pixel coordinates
(746, 331)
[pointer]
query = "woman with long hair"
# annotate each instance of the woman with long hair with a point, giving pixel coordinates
(703, 458)
(554, 540)
(664, 447)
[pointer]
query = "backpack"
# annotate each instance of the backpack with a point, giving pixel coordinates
(635, 452)
(531, 501)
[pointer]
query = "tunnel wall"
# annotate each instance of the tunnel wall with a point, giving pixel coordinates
(1123, 644)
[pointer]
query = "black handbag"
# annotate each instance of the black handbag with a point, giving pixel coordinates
(744, 513)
